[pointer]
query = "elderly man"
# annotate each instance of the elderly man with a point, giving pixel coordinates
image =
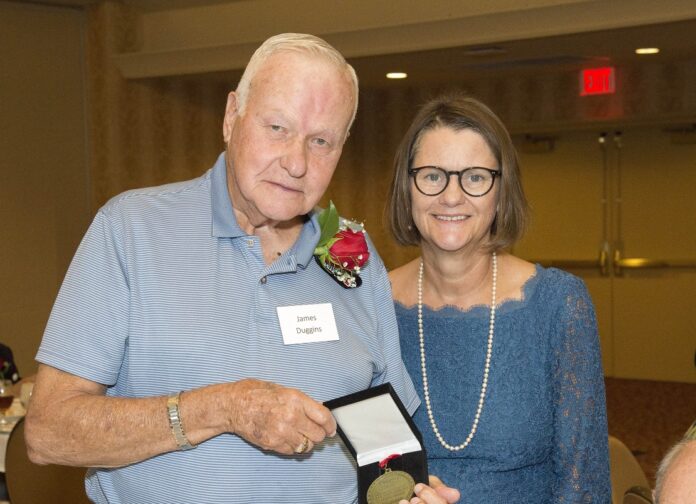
(166, 366)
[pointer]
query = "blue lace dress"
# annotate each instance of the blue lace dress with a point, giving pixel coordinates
(542, 436)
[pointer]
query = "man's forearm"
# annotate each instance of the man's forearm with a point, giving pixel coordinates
(71, 422)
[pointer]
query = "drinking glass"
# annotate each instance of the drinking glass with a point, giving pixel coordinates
(6, 398)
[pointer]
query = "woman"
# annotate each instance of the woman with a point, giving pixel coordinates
(505, 353)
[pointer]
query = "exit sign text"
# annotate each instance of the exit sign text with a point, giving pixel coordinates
(595, 81)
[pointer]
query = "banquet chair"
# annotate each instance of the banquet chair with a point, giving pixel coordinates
(638, 495)
(626, 475)
(28, 483)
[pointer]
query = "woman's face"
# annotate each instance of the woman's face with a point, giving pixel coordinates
(453, 220)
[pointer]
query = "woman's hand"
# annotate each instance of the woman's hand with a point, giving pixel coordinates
(436, 493)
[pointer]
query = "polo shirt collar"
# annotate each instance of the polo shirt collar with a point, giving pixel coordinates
(308, 239)
(225, 222)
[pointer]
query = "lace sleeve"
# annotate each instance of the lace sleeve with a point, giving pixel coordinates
(581, 458)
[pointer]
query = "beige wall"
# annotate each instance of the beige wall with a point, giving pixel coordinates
(43, 176)
(143, 132)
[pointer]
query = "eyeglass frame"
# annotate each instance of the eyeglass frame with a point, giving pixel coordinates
(412, 172)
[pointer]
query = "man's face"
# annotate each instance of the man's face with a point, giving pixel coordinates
(283, 149)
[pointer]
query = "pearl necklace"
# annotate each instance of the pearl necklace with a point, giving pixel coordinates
(486, 369)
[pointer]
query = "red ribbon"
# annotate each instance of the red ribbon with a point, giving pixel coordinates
(383, 464)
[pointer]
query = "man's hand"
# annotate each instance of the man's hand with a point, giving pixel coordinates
(279, 418)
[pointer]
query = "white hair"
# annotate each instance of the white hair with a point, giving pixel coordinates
(666, 464)
(300, 43)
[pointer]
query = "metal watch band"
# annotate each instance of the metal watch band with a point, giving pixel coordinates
(175, 422)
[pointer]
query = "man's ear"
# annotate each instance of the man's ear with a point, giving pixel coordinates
(231, 114)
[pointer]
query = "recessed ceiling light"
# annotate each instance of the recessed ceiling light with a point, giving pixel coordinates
(397, 75)
(647, 50)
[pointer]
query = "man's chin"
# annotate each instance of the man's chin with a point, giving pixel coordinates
(287, 213)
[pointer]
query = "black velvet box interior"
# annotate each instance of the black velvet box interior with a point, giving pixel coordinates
(415, 463)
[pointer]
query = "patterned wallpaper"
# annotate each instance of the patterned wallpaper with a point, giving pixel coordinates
(153, 131)
(143, 132)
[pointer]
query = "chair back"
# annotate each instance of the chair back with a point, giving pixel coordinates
(626, 472)
(28, 483)
(638, 495)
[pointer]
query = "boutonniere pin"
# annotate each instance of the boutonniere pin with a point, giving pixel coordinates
(342, 249)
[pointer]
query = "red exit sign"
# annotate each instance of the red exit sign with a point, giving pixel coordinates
(595, 81)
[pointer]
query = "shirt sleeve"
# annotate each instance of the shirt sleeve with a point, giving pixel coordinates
(581, 456)
(86, 334)
(393, 370)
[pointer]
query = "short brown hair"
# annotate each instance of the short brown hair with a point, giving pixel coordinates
(458, 112)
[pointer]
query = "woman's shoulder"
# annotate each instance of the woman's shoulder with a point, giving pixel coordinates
(563, 295)
(561, 282)
(514, 277)
(548, 287)
(515, 269)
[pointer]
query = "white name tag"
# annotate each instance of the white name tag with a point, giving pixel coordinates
(307, 323)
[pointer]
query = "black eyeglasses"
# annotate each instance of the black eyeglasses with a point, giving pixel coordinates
(474, 181)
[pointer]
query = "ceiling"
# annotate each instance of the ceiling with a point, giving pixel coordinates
(537, 55)
(582, 50)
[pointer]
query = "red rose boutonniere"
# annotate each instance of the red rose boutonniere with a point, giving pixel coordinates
(342, 249)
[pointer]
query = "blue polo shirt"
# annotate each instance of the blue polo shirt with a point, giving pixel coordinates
(167, 293)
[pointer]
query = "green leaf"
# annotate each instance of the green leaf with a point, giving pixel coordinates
(328, 223)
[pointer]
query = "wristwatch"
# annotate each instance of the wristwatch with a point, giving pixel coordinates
(175, 422)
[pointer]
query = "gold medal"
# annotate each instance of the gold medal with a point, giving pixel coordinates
(390, 488)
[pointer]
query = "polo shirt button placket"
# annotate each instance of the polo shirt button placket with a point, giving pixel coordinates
(264, 280)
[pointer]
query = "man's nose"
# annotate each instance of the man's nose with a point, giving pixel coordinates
(295, 159)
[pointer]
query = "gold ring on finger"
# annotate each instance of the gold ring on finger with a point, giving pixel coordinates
(304, 446)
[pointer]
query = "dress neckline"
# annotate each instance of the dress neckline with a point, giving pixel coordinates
(529, 288)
